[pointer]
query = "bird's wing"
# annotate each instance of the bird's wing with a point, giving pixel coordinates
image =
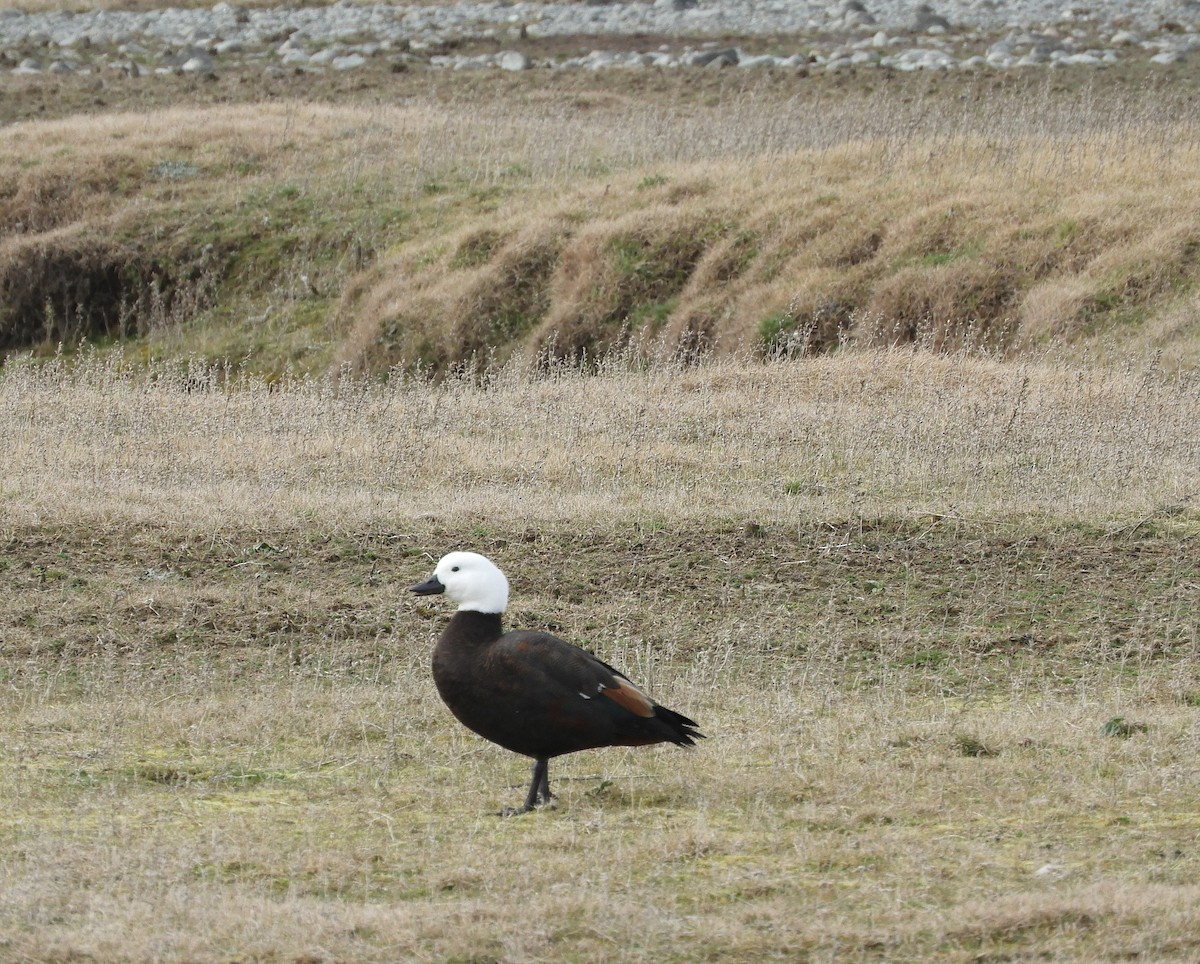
(567, 668)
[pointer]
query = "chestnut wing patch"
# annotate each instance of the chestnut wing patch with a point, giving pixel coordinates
(628, 696)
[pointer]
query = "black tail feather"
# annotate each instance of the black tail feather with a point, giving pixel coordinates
(685, 731)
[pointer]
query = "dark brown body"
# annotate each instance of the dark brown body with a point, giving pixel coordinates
(538, 695)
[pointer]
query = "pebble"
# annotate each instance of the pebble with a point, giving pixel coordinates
(852, 34)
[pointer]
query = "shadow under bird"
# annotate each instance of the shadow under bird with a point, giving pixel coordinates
(531, 692)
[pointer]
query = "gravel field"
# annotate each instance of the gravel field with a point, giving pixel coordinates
(946, 35)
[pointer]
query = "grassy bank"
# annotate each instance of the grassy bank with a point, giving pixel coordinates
(937, 615)
(768, 215)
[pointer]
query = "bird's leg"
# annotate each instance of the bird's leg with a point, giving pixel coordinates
(539, 787)
(539, 790)
(544, 786)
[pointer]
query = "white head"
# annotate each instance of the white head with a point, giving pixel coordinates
(471, 580)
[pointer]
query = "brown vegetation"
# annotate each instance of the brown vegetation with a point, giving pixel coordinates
(382, 236)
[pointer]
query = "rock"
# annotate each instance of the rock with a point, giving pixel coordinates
(759, 60)
(858, 18)
(200, 64)
(597, 59)
(242, 36)
(183, 55)
(233, 12)
(926, 21)
(920, 59)
(347, 62)
(1075, 13)
(1047, 47)
(703, 58)
(1043, 51)
(513, 60)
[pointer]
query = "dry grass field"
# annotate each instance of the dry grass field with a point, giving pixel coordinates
(854, 416)
(938, 616)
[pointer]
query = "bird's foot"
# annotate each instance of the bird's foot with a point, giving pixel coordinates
(550, 804)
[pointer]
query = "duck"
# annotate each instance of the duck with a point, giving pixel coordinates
(529, 691)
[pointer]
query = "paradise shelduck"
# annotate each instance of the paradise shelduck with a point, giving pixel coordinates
(531, 692)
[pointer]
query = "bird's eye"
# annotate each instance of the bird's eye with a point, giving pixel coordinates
(454, 568)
